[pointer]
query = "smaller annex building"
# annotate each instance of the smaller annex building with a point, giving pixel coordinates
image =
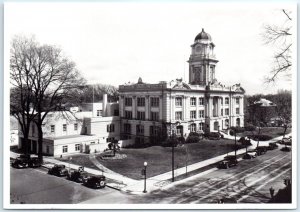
(84, 129)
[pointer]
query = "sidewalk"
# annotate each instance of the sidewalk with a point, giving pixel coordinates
(157, 182)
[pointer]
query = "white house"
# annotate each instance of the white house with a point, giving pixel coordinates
(86, 128)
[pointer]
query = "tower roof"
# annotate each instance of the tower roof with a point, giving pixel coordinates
(203, 36)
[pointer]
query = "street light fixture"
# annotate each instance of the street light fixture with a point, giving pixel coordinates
(145, 177)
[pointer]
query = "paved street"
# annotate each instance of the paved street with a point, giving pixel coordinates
(35, 186)
(249, 182)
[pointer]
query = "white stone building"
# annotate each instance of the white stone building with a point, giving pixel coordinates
(86, 128)
(149, 111)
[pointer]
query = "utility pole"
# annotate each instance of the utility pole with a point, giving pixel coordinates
(173, 162)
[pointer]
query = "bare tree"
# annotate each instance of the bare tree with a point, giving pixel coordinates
(280, 37)
(52, 78)
(21, 95)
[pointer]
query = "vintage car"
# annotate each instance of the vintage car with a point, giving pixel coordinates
(96, 181)
(250, 154)
(58, 170)
(272, 146)
(228, 161)
(24, 161)
(261, 150)
(78, 176)
(285, 149)
(21, 161)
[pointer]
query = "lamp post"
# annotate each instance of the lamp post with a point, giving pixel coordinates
(145, 177)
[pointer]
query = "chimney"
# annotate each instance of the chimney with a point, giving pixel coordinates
(104, 105)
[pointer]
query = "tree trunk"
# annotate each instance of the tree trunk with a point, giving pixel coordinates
(40, 138)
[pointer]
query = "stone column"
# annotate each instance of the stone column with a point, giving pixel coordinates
(122, 106)
(185, 108)
(134, 104)
(147, 107)
(172, 107)
(160, 107)
(210, 106)
(219, 106)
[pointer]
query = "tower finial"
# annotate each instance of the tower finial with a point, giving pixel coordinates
(202, 29)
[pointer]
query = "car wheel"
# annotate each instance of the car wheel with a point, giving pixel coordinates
(102, 184)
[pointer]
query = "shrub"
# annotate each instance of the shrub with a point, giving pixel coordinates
(250, 128)
(194, 134)
(260, 137)
(238, 129)
(192, 139)
(212, 135)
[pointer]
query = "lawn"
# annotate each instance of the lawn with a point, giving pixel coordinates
(159, 158)
(271, 131)
(79, 159)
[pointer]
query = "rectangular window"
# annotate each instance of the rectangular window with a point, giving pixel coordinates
(201, 113)
(154, 116)
(221, 101)
(221, 112)
(178, 115)
(193, 127)
(178, 101)
(65, 149)
(99, 112)
(237, 111)
(226, 112)
(75, 126)
(140, 101)
(64, 127)
(192, 114)
(127, 128)
(140, 129)
(128, 101)
(110, 128)
(128, 114)
(77, 147)
(140, 115)
(237, 101)
(154, 101)
(47, 149)
(193, 101)
(154, 130)
(201, 126)
(226, 101)
(52, 128)
(201, 101)
(116, 112)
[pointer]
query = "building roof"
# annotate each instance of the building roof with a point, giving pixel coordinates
(264, 103)
(203, 36)
(67, 139)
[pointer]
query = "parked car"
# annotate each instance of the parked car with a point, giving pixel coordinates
(78, 176)
(285, 140)
(95, 181)
(228, 161)
(58, 170)
(261, 150)
(250, 155)
(272, 146)
(21, 161)
(286, 149)
(245, 141)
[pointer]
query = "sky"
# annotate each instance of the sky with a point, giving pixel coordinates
(116, 43)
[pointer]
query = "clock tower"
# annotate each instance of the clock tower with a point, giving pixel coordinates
(202, 61)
